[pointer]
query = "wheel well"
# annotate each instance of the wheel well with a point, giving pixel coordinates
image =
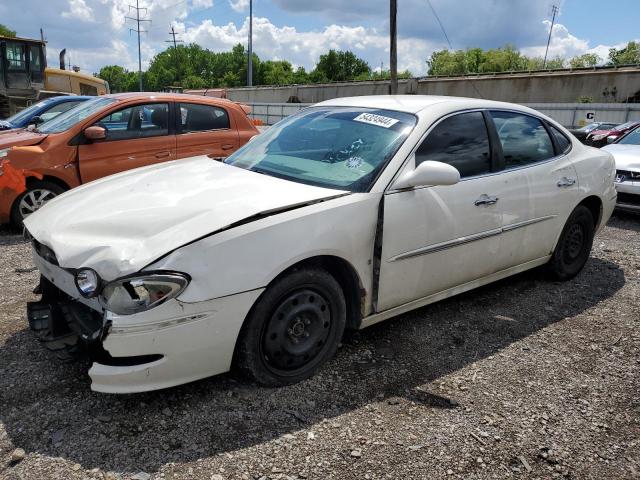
(346, 276)
(47, 178)
(594, 204)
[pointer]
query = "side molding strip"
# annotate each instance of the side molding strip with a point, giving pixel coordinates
(456, 242)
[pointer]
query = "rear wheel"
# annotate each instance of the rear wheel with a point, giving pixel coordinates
(574, 245)
(36, 195)
(294, 328)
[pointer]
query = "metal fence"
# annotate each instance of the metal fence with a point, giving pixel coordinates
(567, 114)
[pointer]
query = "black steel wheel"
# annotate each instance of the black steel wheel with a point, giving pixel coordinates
(574, 245)
(293, 329)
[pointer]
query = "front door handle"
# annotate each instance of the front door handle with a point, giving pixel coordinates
(163, 154)
(227, 147)
(566, 182)
(485, 199)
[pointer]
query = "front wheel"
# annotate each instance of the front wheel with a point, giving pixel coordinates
(574, 245)
(36, 195)
(293, 329)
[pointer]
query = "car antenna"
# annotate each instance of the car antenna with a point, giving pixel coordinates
(473, 82)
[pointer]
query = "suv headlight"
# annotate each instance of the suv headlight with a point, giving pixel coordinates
(130, 295)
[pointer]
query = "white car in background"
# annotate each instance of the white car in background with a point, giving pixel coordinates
(626, 153)
(348, 213)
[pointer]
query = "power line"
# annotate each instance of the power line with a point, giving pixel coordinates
(553, 21)
(444, 32)
(137, 19)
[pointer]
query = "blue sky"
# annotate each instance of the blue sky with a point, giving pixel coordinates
(95, 34)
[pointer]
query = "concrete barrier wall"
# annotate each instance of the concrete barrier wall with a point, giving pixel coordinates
(602, 85)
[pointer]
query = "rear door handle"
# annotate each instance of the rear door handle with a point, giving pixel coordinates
(163, 154)
(227, 147)
(485, 199)
(566, 182)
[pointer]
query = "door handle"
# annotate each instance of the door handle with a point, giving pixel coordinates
(485, 199)
(227, 146)
(163, 154)
(566, 182)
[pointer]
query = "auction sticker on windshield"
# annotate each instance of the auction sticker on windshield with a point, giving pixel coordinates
(378, 120)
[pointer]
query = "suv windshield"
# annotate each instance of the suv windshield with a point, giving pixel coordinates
(68, 119)
(631, 138)
(333, 147)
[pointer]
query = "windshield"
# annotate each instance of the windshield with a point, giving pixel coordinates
(68, 119)
(333, 147)
(27, 113)
(631, 138)
(623, 126)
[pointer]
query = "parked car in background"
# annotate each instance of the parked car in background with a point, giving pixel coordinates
(599, 138)
(626, 152)
(41, 112)
(113, 133)
(581, 133)
(348, 213)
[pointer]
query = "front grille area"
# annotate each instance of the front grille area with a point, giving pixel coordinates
(628, 198)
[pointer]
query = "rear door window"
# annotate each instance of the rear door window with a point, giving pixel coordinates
(461, 141)
(523, 138)
(563, 143)
(199, 118)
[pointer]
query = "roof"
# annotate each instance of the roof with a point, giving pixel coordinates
(415, 103)
(21, 39)
(71, 73)
(172, 96)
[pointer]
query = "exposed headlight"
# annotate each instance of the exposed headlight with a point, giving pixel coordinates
(87, 282)
(598, 137)
(4, 152)
(127, 296)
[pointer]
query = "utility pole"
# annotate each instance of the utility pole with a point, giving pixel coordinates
(137, 19)
(553, 21)
(250, 59)
(175, 47)
(393, 30)
(174, 41)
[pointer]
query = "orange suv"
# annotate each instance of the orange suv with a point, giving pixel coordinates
(113, 133)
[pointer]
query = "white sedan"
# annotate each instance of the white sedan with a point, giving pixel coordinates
(349, 213)
(626, 152)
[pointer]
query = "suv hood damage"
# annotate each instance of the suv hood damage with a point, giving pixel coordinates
(120, 224)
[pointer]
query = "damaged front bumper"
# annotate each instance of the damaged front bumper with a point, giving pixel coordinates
(168, 345)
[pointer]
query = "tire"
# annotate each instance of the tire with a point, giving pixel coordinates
(36, 195)
(574, 245)
(293, 329)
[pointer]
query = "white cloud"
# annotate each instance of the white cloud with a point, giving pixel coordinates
(305, 47)
(79, 10)
(239, 5)
(202, 3)
(563, 44)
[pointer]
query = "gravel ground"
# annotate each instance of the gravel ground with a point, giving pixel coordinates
(525, 378)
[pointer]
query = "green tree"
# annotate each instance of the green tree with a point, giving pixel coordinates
(120, 79)
(586, 60)
(340, 66)
(6, 31)
(625, 56)
(276, 72)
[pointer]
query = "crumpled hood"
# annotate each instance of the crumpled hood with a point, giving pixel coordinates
(20, 138)
(627, 157)
(120, 224)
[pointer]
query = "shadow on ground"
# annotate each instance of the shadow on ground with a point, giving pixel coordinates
(625, 220)
(47, 407)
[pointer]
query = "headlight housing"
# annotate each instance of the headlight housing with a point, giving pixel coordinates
(141, 292)
(4, 152)
(87, 282)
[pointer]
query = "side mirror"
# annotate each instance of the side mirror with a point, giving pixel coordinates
(429, 173)
(95, 133)
(37, 120)
(611, 139)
